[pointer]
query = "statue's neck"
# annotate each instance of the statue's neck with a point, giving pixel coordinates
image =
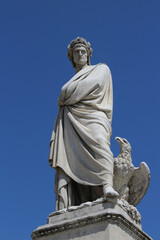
(80, 67)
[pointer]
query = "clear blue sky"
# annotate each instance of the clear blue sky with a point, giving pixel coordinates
(34, 35)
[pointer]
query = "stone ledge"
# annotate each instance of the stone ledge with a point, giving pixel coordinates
(101, 204)
(72, 222)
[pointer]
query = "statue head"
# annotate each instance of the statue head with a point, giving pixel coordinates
(79, 42)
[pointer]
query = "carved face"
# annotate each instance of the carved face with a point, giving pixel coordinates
(80, 56)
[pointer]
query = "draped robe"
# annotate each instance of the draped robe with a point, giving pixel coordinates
(80, 143)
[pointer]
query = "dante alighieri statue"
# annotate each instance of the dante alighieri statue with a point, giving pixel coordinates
(80, 143)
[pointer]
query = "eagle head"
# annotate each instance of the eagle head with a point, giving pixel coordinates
(125, 148)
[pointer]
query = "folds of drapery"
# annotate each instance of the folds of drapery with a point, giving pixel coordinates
(80, 143)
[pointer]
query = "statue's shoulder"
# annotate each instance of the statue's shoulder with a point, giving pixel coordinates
(102, 67)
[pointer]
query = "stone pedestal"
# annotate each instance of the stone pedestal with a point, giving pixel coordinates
(98, 220)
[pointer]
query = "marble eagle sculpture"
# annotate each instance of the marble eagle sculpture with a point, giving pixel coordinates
(130, 182)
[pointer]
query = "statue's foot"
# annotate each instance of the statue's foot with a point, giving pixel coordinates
(109, 192)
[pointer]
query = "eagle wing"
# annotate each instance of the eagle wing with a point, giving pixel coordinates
(139, 184)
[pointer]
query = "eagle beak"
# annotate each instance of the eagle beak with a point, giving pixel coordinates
(118, 139)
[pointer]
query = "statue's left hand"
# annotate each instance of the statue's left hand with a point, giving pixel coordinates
(50, 162)
(50, 159)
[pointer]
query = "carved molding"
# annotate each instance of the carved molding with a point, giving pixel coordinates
(117, 219)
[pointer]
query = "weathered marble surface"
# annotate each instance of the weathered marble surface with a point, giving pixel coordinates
(97, 220)
(80, 143)
(85, 168)
(130, 182)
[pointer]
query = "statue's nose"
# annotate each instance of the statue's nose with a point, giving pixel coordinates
(80, 53)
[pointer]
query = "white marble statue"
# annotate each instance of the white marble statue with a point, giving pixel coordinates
(80, 144)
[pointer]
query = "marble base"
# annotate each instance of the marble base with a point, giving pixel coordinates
(91, 221)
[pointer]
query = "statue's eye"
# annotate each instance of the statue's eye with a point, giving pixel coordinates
(125, 141)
